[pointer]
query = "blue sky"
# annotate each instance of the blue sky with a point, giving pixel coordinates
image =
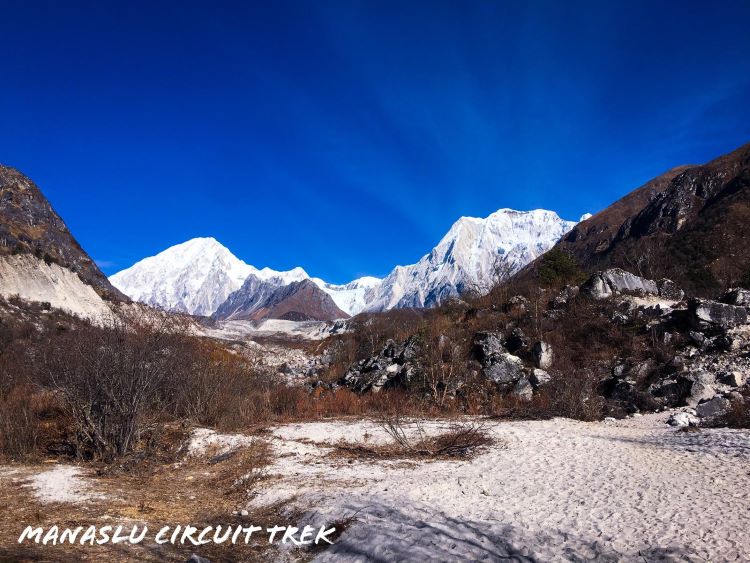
(346, 137)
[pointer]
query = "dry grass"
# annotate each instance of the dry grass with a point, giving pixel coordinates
(410, 439)
(195, 492)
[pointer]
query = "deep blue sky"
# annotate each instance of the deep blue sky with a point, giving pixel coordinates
(346, 137)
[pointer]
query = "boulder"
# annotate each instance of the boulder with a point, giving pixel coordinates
(609, 282)
(697, 338)
(517, 305)
(523, 389)
(704, 314)
(542, 355)
(391, 367)
(671, 392)
(718, 406)
(488, 344)
(702, 388)
(561, 300)
(737, 296)
(670, 290)
(733, 378)
(504, 369)
(596, 287)
(682, 419)
(516, 341)
(539, 377)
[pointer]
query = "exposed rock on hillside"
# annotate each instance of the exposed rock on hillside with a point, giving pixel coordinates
(29, 225)
(392, 367)
(689, 225)
(298, 301)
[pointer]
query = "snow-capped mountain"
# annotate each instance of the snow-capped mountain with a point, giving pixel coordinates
(202, 277)
(193, 277)
(470, 256)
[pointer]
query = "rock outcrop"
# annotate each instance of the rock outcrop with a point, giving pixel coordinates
(705, 314)
(615, 281)
(392, 367)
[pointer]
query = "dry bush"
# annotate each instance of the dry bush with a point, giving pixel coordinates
(19, 424)
(409, 438)
(442, 358)
(241, 470)
(113, 379)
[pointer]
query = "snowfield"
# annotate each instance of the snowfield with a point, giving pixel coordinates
(555, 490)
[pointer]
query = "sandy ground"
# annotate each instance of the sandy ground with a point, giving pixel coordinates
(559, 490)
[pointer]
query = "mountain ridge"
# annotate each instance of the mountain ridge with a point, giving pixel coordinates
(463, 259)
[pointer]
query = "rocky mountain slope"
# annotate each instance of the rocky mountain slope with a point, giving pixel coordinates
(473, 256)
(29, 225)
(259, 299)
(298, 301)
(691, 225)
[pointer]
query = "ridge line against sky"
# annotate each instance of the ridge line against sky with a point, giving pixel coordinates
(348, 137)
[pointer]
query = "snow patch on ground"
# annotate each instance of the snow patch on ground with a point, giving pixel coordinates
(204, 440)
(556, 490)
(65, 483)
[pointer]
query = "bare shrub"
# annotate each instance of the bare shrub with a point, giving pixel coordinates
(442, 359)
(113, 378)
(460, 439)
(19, 426)
(249, 462)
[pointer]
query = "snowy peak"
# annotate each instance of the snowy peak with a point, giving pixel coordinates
(193, 277)
(203, 277)
(474, 255)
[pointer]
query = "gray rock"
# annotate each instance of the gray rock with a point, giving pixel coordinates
(561, 300)
(523, 389)
(194, 558)
(517, 304)
(697, 338)
(391, 367)
(670, 290)
(705, 313)
(488, 345)
(516, 341)
(717, 406)
(682, 419)
(504, 369)
(703, 387)
(609, 282)
(734, 378)
(539, 377)
(737, 296)
(542, 355)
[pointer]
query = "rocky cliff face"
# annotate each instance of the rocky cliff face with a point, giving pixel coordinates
(29, 225)
(690, 225)
(298, 301)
